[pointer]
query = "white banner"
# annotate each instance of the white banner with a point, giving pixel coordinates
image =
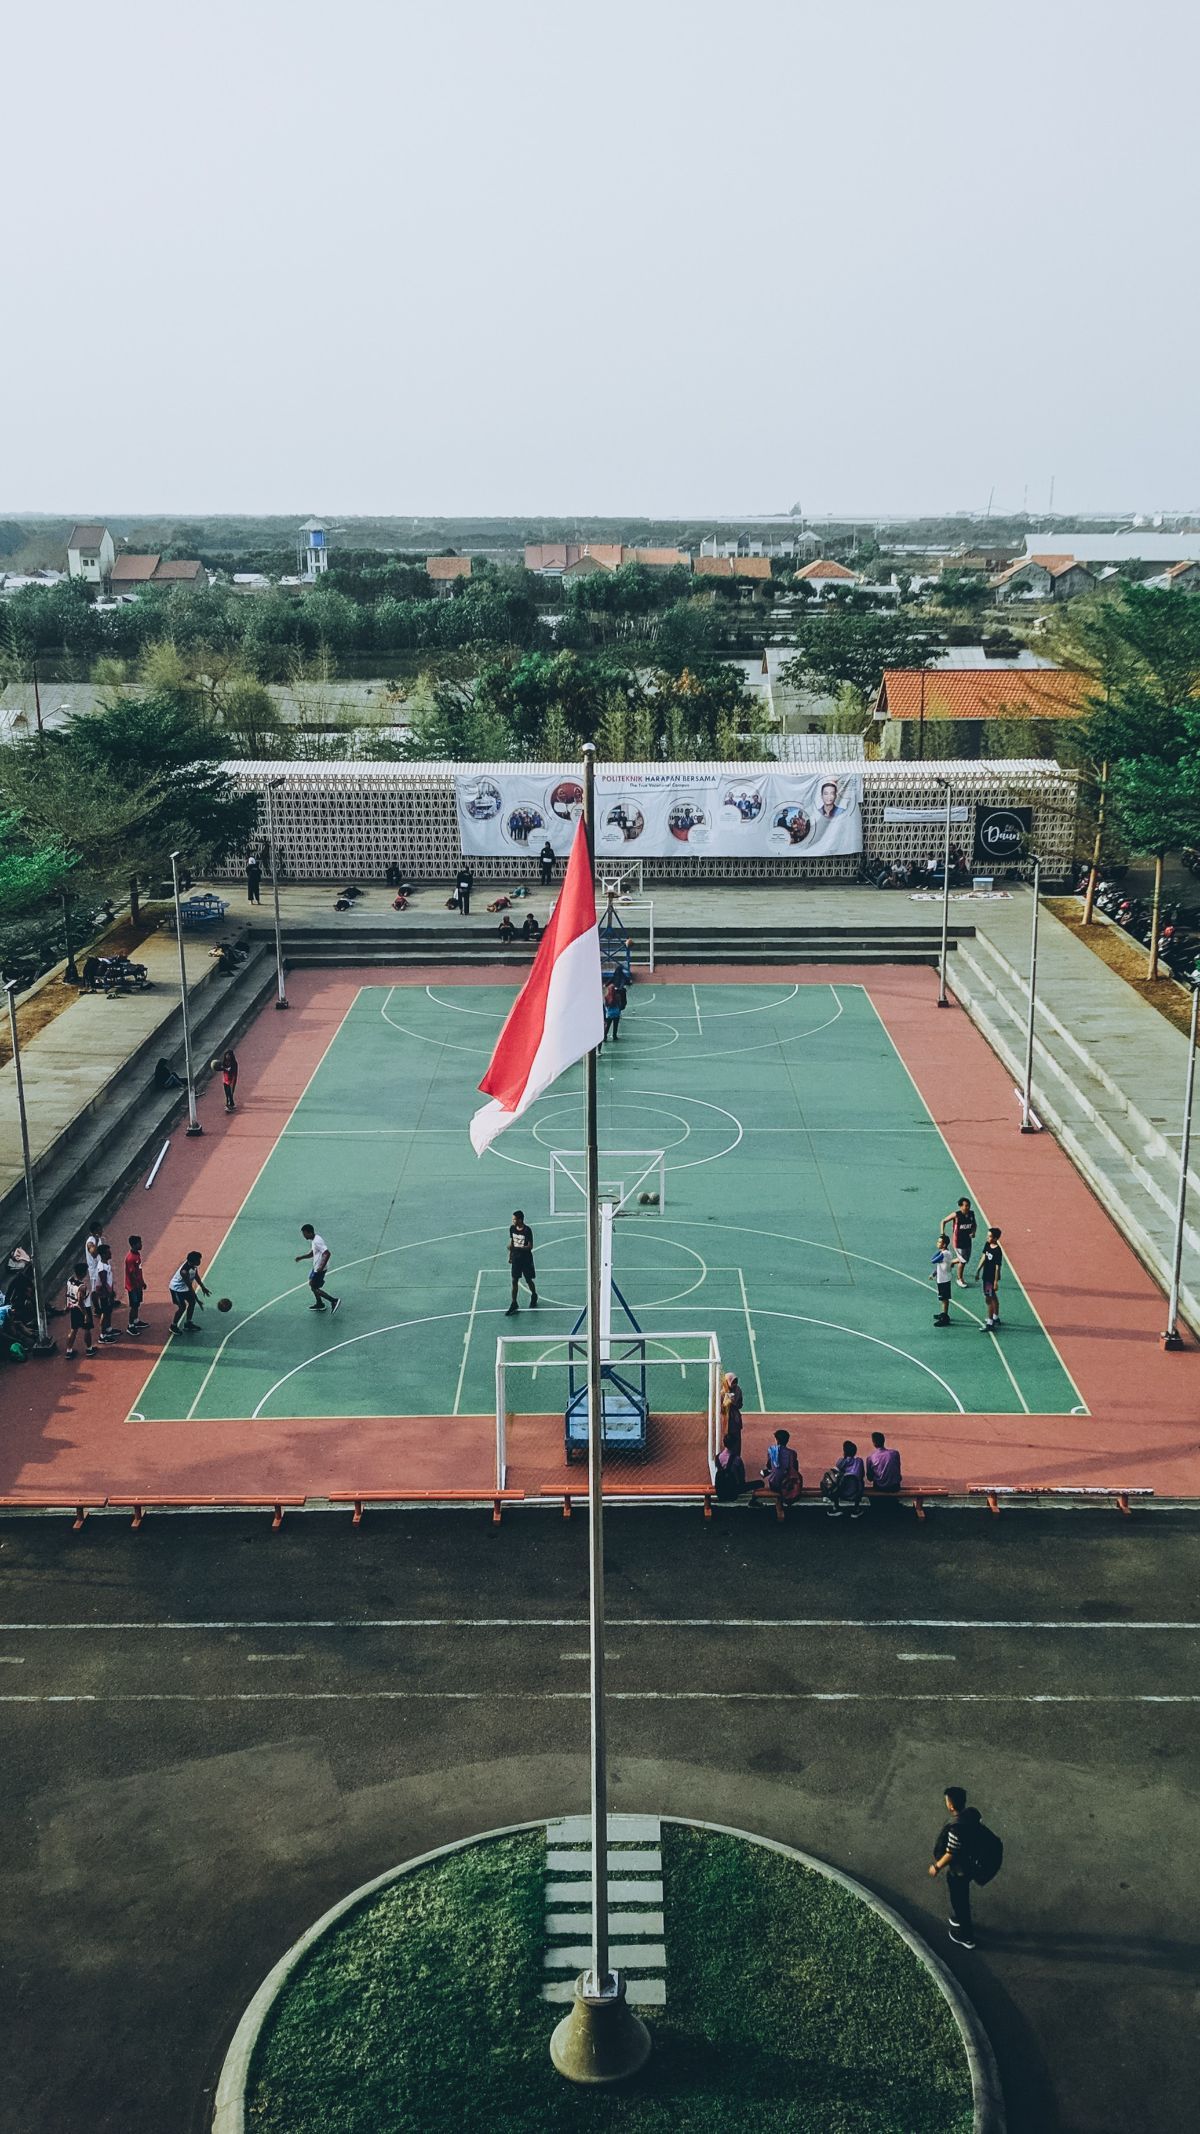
(663, 814)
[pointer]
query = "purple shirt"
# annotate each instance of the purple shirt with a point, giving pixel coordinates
(883, 1466)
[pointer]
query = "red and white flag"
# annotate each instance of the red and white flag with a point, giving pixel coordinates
(557, 1016)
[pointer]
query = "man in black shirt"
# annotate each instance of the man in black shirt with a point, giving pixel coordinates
(520, 1261)
(961, 1225)
(952, 1853)
(464, 884)
(991, 1267)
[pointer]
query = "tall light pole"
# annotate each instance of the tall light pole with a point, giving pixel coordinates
(281, 999)
(194, 1126)
(1173, 1339)
(943, 1002)
(600, 2041)
(1028, 1122)
(43, 1344)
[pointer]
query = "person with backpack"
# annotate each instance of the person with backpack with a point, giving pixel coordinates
(844, 1487)
(965, 1851)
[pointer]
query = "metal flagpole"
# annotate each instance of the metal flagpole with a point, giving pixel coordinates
(1173, 1339)
(1028, 1123)
(598, 1980)
(44, 1344)
(601, 2041)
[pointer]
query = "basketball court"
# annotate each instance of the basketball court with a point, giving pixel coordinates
(778, 1180)
(780, 1151)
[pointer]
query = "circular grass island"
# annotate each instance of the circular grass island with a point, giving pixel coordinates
(793, 2006)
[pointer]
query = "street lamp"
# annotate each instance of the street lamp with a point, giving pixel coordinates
(1173, 1339)
(1029, 1124)
(43, 1346)
(194, 1126)
(943, 1002)
(282, 1000)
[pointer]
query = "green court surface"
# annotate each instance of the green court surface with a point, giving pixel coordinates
(804, 1179)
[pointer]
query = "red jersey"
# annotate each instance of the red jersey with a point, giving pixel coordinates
(133, 1271)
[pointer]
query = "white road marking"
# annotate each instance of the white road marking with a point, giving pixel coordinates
(462, 1369)
(582, 1696)
(927, 1656)
(8, 1659)
(274, 1658)
(622, 1622)
(750, 1336)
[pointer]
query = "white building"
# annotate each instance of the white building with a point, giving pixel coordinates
(91, 553)
(1117, 547)
(312, 548)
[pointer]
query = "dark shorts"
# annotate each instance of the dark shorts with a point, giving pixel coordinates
(989, 1291)
(135, 1299)
(317, 1281)
(81, 1316)
(522, 1267)
(943, 1290)
(965, 1245)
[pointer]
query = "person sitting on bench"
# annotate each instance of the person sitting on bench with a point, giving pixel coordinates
(530, 927)
(506, 930)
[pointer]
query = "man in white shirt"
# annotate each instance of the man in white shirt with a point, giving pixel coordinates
(318, 1252)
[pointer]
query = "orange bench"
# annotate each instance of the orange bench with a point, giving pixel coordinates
(140, 1505)
(631, 1492)
(400, 1497)
(994, 1491)
(79, 1510)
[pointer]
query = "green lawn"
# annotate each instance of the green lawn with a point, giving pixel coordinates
(791, 2009)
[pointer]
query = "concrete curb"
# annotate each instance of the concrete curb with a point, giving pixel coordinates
(229, 2108)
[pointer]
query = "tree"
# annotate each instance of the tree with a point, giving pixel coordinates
(837, 644)
(156, 755)
(1143, 651)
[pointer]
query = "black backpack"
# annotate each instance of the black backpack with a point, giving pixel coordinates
(987, 1854)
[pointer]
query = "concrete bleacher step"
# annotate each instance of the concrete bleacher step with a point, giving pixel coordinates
(479, 945)
(88, 1171)
(1129, 1163)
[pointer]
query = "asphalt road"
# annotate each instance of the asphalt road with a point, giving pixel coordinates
(212, 1731)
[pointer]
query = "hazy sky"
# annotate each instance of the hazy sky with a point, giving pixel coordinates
(687, 256)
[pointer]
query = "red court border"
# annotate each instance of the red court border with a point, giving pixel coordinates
(66, 1432)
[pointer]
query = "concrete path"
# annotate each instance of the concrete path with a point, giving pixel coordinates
(1108, 1077)
(70, 1064)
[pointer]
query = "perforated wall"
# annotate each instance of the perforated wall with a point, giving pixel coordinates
(348, 820)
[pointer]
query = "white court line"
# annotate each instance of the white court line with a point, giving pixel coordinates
(696, 1005)
(462, 1369)
(583, 1696)
(722, 1015)
(962, 1174)
(451, 1237)
(166, 1350)
(758, 1384)
(619, 1622)
(399, 1326)
(860, 1334)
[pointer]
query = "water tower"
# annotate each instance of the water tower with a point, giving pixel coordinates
(312, 547)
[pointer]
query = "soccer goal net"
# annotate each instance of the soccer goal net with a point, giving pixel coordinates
(634, 1180)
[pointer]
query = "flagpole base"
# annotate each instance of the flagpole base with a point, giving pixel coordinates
(601, 2041)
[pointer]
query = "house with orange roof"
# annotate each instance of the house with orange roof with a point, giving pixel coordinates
(1178, 578)
(823, 576)
(443, 570)
(129, 573)
(1043, 578)
(733, 567)
(911, 697)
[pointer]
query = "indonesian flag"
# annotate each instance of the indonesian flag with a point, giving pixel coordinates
(557, 1016)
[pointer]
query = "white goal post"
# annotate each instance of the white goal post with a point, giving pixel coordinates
(634, 1180)
(677, 1370)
